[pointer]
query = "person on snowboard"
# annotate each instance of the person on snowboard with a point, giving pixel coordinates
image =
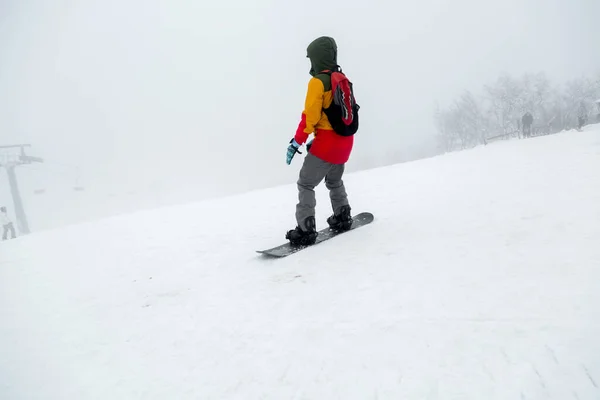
(327, 153)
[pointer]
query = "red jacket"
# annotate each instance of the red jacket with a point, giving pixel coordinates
(327, 145)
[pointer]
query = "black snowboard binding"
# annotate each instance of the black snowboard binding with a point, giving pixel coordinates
(342, 221)
(300, 237)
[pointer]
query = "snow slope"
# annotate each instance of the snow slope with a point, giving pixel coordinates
(478, 279)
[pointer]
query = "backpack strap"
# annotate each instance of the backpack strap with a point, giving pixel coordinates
(327, 73)
(337, 68)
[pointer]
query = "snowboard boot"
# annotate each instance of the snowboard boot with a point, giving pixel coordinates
(298, 236)
(342, 221)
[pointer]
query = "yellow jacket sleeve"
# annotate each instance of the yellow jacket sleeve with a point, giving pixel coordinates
(313, 108)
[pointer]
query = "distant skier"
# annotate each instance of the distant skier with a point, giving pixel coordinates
(6, 224)
(581, 116)
(330, 112)
(527, 121)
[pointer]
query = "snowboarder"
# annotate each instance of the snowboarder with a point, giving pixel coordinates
(527, 120)
(6, 224)
(329, 151)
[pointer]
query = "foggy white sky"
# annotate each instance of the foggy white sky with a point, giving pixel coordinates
(209, 93)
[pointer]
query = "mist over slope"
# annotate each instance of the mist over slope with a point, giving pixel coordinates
(170, 103)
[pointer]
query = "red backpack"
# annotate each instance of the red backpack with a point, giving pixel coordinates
(343, 111)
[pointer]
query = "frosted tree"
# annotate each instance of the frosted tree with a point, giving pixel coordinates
(447, 138)
(471, 119)
(579, 96)
(506, 101)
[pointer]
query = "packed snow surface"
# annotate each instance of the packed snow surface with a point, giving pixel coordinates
(478, 279)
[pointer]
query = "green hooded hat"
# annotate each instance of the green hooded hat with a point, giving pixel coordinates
(322, 53)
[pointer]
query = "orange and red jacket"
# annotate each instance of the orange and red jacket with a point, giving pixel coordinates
(327, 145)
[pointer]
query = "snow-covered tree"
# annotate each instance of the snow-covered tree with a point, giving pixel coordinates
(471, 119)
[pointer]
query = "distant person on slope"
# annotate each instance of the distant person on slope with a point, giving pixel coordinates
(6, 224)
(581, 116)
(527, 121)
(331, 113)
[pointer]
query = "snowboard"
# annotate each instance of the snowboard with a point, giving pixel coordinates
(287, 249)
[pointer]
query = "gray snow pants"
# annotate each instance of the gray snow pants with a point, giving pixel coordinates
(9, 228)
(313, 171)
